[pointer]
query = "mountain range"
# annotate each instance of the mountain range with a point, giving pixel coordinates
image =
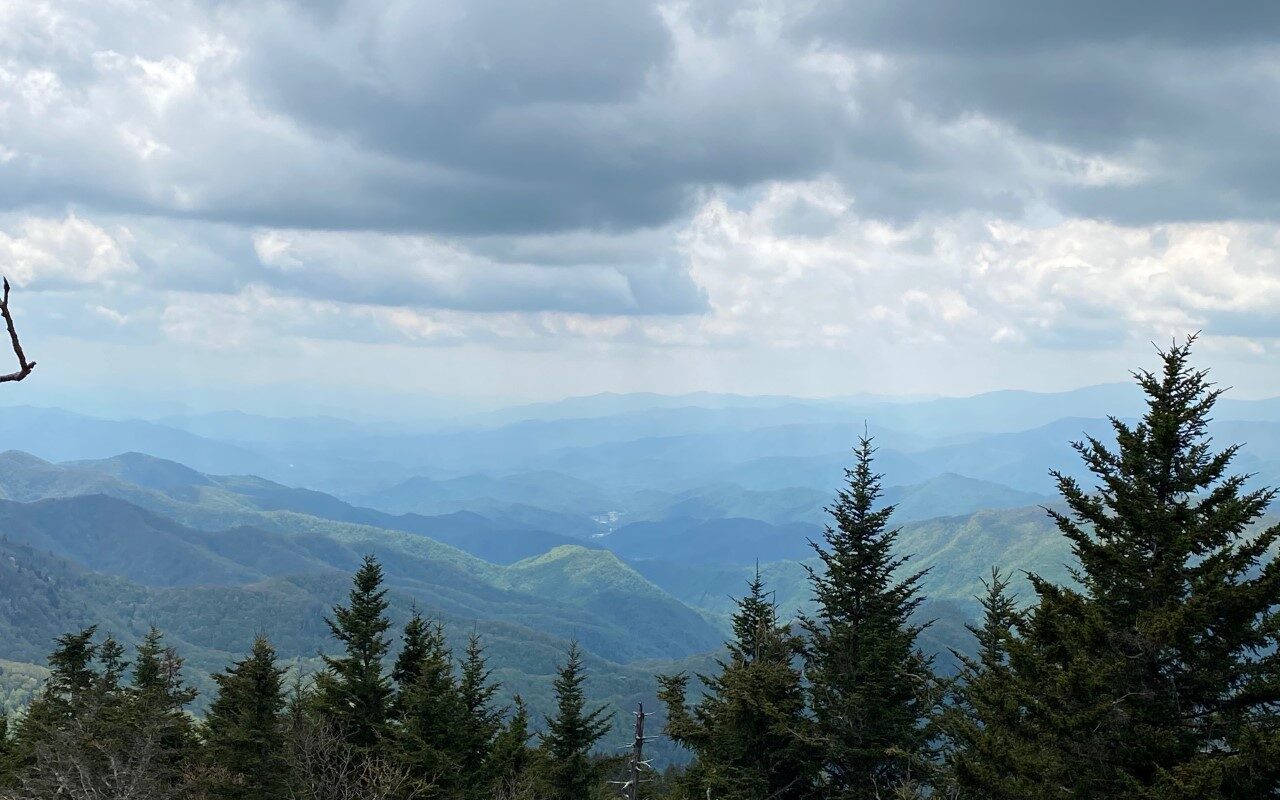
(625, 522)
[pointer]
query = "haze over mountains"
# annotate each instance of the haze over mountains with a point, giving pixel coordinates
(627, 522)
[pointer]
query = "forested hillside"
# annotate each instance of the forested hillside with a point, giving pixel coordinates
(635, 579)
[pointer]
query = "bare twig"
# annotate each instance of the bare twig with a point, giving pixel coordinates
(24, 366)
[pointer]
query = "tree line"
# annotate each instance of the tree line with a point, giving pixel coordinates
(107, 728)
(1154, 673)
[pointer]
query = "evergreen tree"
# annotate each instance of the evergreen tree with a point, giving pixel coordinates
(872, 692)
(414, 647)
(87, 730)
(749, 732)
(353, 692)
(1157, 674)
(429, 739)
(71, 671)
(510, 757)
(8, 755)
(570, 771)
(480, 720)
(984, 723)
(74, 687)
(244, 731)
(156, 700)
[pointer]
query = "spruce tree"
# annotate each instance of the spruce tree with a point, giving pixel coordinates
(8, 765)
(749, 731)
(984, 725)
(429, 739)
(244, 731)
(74, 687)
(570, 772)
(510, 757)
(480, 720)
(414, 647)
(353, 692)
(71, 670)
(1156, 675)
(873, 695)
(156, 701)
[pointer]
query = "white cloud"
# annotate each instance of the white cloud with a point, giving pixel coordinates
(53, 253)
(1076, 283)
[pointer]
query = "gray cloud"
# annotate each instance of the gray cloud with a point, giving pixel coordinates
(495, 117)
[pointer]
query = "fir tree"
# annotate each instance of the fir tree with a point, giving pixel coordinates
(984, 724)
(414, 647)
(244, 732)
(74, 687)
(1157, 674)
(872, 692)
(749, 731)
(71, 671)
(353, 692)
(156, 700)
(429, 740)
(8, 755)
(570, 771)
(510, 757)
(480, 720)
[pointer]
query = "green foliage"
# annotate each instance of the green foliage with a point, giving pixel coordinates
(569, 772)
(510, 756)
(750, 732)
(157, 699)
(432, 714)
(480, 720)
(1157, 674)
(243, 732)
(353, 692)
(111, 740)
(872, 692)
(991, 745)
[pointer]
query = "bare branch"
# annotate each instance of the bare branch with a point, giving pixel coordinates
(24, 366)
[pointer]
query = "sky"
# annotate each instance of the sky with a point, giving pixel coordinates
(329, 204)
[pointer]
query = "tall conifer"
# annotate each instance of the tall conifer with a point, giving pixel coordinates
(480, 720)
(353, 691)
(872, 692)
(430, 739)
(244, 731)
(510, 756)
(157, 699)
(749, 731)
(1156, 675)
(571, 773)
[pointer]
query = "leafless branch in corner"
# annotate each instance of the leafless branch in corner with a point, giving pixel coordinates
(24, 366)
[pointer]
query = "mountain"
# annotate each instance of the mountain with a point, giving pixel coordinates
(727, 500)
(717, 541)
(214, 502)
(42, 597)
(118, 538)
(950, 495)
(59, 435)
(545, 489)
(113, 537)
(258, 430)
(599, 582)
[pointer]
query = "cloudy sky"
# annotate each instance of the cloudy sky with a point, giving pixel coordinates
(248, 203)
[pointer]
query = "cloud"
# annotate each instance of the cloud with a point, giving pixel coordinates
(494, 117)
(757, 184)
(859, 282)
(58, 253)
(424, 272)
